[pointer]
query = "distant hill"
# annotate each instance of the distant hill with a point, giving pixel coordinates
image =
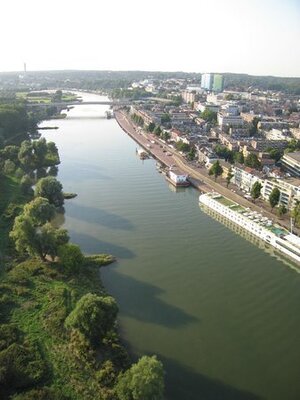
(244, 82)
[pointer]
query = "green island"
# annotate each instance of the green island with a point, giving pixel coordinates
(58, 326)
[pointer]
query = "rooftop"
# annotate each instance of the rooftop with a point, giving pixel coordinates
(295, 156)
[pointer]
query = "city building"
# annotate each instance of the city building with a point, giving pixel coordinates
(245, 177)
(291, 163)
(289, 189)
(207, 81)
(218, 83)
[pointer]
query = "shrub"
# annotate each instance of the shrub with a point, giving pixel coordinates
(93, 316)
(70, 257)
(23, 366)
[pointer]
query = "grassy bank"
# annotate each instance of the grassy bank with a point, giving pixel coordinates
(36, 350)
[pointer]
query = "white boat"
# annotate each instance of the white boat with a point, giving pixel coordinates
(275, 235)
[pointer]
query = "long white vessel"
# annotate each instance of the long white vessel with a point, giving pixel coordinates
(254, 223)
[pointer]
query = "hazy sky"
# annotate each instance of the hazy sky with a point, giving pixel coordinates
(258, 37)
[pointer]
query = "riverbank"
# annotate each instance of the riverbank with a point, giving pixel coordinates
(198, 176)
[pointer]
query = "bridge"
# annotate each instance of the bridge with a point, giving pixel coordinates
(80, 103)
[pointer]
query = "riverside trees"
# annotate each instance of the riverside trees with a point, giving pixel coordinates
(216, 170)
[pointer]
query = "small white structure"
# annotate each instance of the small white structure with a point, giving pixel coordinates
(178, 178)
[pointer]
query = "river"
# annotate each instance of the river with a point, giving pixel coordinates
(221, 313)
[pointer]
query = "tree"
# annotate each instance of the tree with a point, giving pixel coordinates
(40, 150)
(255, 190)
(181, 146)
(157, 131)
(165, 118)
(296, 213)
(253, 126)
(39, 211)
(49, 239)
(26, 183)
(216, 170)
(26, 156)
(93, 316)
(37, 241)
(70, 257)
(274, 197)
(151, 127)
(51, 189)
(275, 154)
(10, 153)
(252, 161)
(229, 176)
(143, 381)
(281, 210)
(239, 157)
(209, 116)
(9, 167)
(23, 233)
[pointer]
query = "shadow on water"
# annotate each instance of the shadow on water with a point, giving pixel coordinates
(98, 216)
(140, 301)
(85, 171)
(91, 245)
(182, 383)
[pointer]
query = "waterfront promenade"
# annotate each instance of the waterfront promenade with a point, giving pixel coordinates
(198, 176)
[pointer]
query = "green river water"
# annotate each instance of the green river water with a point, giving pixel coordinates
(221, 313)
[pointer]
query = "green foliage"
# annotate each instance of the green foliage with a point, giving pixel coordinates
(151, 127)
(239, 157)
(35, 240)
(223, 152)
(252, 161)
(296, 213)
(39, 211)
(255, 190)
(209, 116)
(51, 189)
(38, 154)
(192, 153)
(43, 393)
(274, 197)
(281, 210)
(253, 126)
(9, 167)
(137, 119)
(143, 381)
(275, 154)
(181, 146)
(21, 365)
(294, 145)
(229, 176)
(70, 257)
(13, 120)
(26, 183)
(165, 135)
(157, 131)
(93, 316)
(215, 170)
(10, 153)
(8, 335)
(165, 118)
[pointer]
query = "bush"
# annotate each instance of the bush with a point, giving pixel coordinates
(40, 394)
(70, 257)
(144, 380)
(23, 366)
(8, 335)
(93, 316)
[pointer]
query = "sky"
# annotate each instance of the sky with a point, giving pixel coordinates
(258, 37)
